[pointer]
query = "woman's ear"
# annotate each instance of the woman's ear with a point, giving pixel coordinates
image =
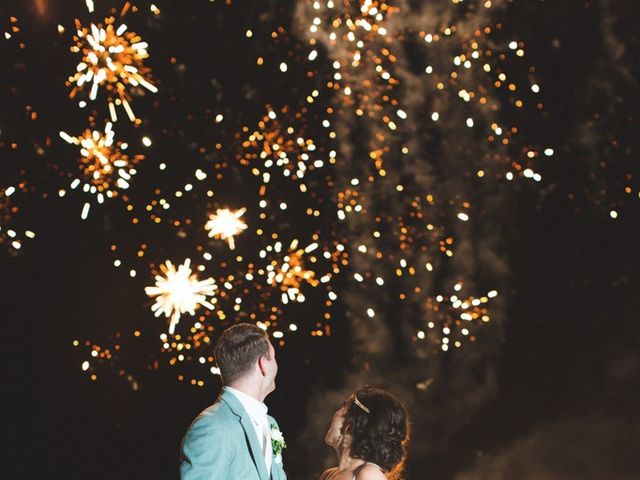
(345, 429)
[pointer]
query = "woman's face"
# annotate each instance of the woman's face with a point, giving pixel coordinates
(334, 435)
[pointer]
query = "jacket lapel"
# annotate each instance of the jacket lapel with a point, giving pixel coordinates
(249, 432)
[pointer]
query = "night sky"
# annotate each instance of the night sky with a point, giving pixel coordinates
(511, 180)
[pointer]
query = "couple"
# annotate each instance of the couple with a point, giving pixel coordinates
(235, 439)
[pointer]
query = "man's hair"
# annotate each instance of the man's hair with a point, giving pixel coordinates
(379, 427)
(238, 349)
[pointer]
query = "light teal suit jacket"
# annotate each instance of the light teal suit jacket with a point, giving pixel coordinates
(221, 444)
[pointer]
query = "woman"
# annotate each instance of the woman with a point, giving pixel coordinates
(369, 434)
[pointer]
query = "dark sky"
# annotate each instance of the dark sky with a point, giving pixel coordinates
(549, 389)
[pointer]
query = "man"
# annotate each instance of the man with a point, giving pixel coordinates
(235, 439)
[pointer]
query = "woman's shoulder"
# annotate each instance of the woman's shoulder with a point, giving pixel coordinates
(370, 471)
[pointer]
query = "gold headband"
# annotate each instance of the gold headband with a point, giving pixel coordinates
(360, 404)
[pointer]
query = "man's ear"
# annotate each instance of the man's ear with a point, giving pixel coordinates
(262, 365)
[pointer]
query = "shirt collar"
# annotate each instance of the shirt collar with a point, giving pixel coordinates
(257, 410)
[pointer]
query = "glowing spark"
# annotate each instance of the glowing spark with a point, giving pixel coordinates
(179, 291)
(85, 211)
(224, 224)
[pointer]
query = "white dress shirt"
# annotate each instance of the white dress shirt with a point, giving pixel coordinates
(258, 413)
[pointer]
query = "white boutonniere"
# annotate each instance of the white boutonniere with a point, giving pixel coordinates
(277, 443)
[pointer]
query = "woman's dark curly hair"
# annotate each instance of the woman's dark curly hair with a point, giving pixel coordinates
(381, 435)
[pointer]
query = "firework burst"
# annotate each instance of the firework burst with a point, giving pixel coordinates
(112, 58)
(290, 274)
(224, 224)
(452, 319)
(275, 145)
(179, 291)
(104, 167)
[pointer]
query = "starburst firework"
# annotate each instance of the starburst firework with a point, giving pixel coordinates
(179, 291)
(224, 224)
(103, 165)
(111, 58)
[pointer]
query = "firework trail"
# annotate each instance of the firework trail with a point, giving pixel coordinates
(430, 159)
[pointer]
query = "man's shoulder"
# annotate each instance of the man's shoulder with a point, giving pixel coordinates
(216, 414)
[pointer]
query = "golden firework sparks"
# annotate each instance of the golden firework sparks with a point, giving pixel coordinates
(364, 46)
(103, 165)
(224, 224)
(361, 42)
(9, 235)
(455, 317)
(291, 274)
(98, 355)
(179, 291)
(274, 145)
(112, 58)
